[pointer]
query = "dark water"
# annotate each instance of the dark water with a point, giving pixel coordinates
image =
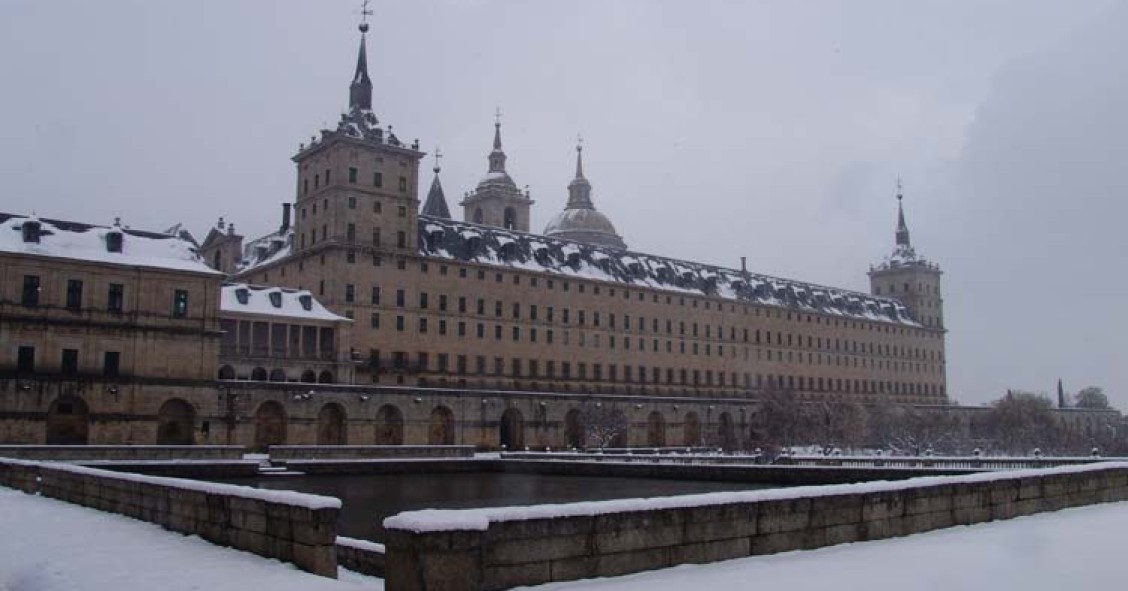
(368, 499)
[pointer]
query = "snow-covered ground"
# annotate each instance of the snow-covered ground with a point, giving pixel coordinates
(1075, 549)
(49, 545)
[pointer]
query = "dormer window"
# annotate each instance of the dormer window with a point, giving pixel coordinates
(306, 301)
(113, 241)
(31, 231)
(276, 299)
(243, 295)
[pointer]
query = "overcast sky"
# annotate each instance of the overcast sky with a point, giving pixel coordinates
(713, 130)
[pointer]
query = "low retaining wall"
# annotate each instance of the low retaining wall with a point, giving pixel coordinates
(390, 466)
(487, 549)
(293, 527)
(122, 452)
(361, 556)
(367, 452)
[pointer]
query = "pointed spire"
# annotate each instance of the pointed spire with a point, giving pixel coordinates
(579, 157)
(579, 190)
(902, 228)
(360, 91)
(497, 156)
(436, 205)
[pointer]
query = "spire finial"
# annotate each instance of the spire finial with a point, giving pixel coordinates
(902, 227)
(365, 12)
(579, 156)
(438, 155)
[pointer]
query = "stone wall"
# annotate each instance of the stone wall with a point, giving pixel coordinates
(361, 556)
(502, 548)
(365, 452)
(292, 527)
(122, 452)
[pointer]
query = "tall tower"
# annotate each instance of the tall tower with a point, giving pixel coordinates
(910, 278)
(497, 201)
(580, 221)
(357, 186)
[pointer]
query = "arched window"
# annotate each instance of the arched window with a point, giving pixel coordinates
(510, 220)
(477, 215)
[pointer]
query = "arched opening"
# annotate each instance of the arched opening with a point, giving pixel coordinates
(309, 377)
(477, 215)
(331, 425)
(574, 434)
(656, 430)
(258, 374)
(389, 426)
(325, 377)
(227, 372)
(620, 439)
(176, 423)
(440, 431)
(511, 430)
(270, 425)
(726, 432)
(68, 422)
(692, 429)
(277, 375)
(510, 220)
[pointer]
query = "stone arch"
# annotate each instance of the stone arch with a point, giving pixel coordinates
(277, 375)
(440, 430)
(621, 437)
(726, 432)
(325, 377)
(574, 432)
(309, 377)
(270, 425)
(656, 430)
(176, 423)
(389, 426)
(258, 374)
(509, 218)
(68, 421)
(511, 430)
(691, 429)
(227, 372)
(331, 429)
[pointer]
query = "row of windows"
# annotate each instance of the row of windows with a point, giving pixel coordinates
(68, 362)
(72, 300)
(353, 178)
(535, 368)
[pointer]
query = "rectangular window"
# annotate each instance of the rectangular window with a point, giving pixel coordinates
(401, 239)
(25, 362)
(399, 323)
(399, 298)
(377, 180)
(350, 232)
(442, 302)
(69, 364)
(352, 181)
(375, 295)
(180, 303)
(30, 291)
(423, 300)
(111, 364)
(374, 321)
(375, 236)
(74, 294)
(403, 184)
(350, 293)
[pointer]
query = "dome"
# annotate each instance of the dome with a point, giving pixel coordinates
(584, 225)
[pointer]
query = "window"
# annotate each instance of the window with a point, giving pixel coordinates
(352, 181)
(69, 365)
(403, 184)
(180, 303)
(327, 173)
(423, 300)
(350, 293)
(401, 211)
(74, 294)
(377, 181)
(26, 360)
(111, 364)
(400, 298)
(30, 291)
(442, 302)
(350, 232)
(376, 237)
(374, 321)
(375, 295)
(401, 239)
(399, 323)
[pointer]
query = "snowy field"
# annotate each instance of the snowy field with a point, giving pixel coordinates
(49, 545)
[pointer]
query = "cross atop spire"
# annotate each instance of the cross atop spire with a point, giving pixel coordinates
(360, 91)
(438, 155)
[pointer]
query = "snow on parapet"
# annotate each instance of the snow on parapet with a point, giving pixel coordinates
(449, 239)
(86, 242)
(273, 301)
(436, 520)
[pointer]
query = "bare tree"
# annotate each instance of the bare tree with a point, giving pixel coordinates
(910, 430)
(1022, 421)
(1091, 397)
(603, 426)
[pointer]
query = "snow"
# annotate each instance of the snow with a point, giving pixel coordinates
(431, 520)
(361, 545)
(49, 545)
(273, 496)
(1080, 548)
(69, 240)
(258, 302)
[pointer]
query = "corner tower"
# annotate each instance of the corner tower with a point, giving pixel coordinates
(910, 278)
(357, 185)
(497, 201)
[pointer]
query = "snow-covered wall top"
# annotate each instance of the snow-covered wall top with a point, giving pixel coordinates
(85, 242)
(448, 239)
(273, 301)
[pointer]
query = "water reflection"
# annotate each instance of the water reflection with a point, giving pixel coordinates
(368, 499)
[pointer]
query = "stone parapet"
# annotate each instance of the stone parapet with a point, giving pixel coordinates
(366, 452)
(122, 452)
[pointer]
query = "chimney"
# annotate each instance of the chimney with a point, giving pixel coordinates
(285, 218)
(744, 265)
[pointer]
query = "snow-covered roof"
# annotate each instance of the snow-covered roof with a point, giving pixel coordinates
(904, 255)
(86, 242)
(273, 301)
(449, 239)
(266, 249)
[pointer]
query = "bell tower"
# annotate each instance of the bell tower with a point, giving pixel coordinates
(497, 201)
(908, 277)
